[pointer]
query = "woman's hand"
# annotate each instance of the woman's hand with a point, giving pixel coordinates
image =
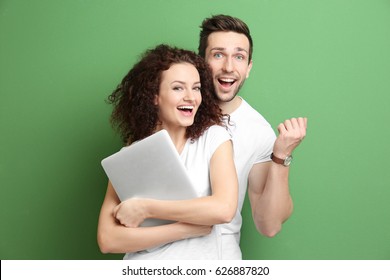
(131, 212)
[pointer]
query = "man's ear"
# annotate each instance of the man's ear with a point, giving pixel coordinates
(249, 68)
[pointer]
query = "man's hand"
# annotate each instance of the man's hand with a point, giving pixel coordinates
(291, 133)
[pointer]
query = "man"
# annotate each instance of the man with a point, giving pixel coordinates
(262, 160)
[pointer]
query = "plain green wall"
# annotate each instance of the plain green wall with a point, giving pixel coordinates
(327, 60)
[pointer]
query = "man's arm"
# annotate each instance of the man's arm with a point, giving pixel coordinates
(268, 187)
(269, 195)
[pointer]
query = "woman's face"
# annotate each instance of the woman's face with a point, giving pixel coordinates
(179, 96)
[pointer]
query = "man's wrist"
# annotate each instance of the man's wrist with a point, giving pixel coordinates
(285, 161)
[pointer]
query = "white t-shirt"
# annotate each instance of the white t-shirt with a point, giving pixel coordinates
(253, 140)
(196, 156)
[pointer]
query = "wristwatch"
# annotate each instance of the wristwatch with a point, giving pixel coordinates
(285, 162)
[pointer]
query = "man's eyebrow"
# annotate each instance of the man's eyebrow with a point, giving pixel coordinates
(218, 49)
(236, 49)
(241, 50)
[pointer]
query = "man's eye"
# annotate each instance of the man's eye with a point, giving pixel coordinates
(240, 57)
(218, 55)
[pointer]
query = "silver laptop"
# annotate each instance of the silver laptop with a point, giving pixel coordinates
(149, 168)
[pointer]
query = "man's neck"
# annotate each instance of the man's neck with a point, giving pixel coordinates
(230, 106)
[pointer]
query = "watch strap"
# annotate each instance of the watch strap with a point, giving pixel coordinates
(285, 162)
(276, 159)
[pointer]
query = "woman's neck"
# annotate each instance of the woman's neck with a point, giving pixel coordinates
(178, 137)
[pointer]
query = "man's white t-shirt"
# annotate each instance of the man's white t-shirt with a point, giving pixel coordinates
(253, 140)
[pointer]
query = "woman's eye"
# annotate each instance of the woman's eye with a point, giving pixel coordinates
(177, 88)
(197, 88)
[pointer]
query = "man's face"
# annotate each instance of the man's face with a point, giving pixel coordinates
(227, 53)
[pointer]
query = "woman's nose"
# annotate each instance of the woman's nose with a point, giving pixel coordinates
(189, 95)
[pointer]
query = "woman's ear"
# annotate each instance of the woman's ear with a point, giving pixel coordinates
(155, 101)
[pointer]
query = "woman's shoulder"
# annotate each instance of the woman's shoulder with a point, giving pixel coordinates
(214, 136)
(211, 139)
(218, 130)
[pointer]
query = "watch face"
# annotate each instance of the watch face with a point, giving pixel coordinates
(287, 161)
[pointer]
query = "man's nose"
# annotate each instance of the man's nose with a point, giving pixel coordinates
(228, 65)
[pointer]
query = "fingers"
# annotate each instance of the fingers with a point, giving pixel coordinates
(294, 126)
(302, 122)
(294, 123)
(116, 214)
(302, 126)
(291, 133)
(115, 210)
(282, 128)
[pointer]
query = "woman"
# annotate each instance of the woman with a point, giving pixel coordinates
(171, 88)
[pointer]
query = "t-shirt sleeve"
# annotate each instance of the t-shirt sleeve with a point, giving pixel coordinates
(216, 135)
(265, 147)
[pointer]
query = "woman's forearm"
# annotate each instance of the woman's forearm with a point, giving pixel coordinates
(208, 210)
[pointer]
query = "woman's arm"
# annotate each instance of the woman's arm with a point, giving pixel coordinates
(220, 207)
(115, 238)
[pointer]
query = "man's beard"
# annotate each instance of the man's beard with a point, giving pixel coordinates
(225, 98)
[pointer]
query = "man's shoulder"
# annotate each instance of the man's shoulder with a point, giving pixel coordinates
(247, 112)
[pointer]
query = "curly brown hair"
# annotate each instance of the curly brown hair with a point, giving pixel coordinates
(135, 116)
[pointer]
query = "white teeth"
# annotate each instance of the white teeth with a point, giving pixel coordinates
(227, 80)
(186, 107)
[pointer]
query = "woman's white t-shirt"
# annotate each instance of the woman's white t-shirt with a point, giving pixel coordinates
(196, 157)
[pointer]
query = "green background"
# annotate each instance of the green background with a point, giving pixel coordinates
(327, 60)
